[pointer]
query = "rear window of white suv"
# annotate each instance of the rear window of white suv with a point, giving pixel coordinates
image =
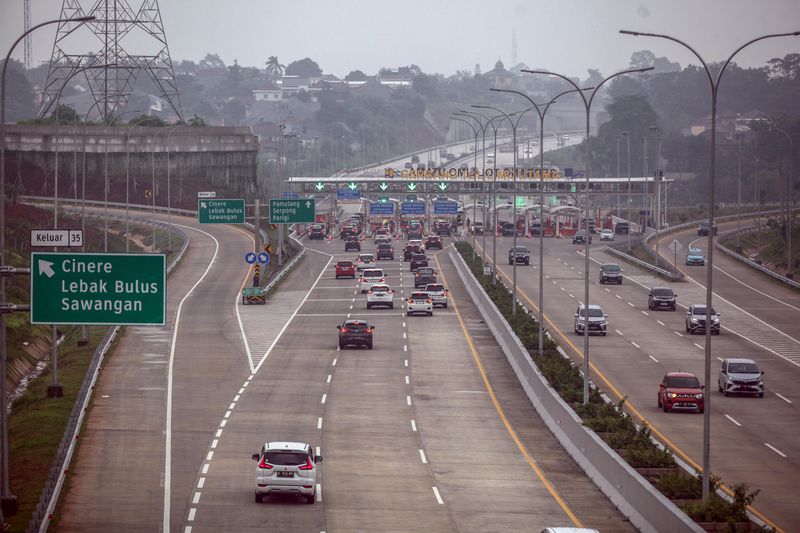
(373, 273)
(286, 458)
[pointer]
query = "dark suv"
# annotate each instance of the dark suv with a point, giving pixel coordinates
(418, 260)
(507, 229)
(580, 237)
(703, 229)
(610, 273)
(519, 254)
(355, 332)
(622, 228)
(316, 232)
(423, 276)
(434, 241)
(410, 250)
(385, 251)
(352, 245)
(661, 298)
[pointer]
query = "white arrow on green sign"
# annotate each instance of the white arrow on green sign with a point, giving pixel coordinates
(226, 211)
(352, 186)
(383, 186)
(412, 186)
(319, 185)
(442, 186)
(98, 288)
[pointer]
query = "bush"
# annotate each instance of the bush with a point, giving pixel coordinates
(681, 486)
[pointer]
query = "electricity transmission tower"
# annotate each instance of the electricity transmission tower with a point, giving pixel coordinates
(118, 30)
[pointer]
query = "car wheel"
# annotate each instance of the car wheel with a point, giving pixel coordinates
(337, 277)
(726, 393)
(310, 498)
(342, 345)
(369, 306)
(665, 408)
(760, 394)
(700, 411)
(620, 282)
(408, 313)
(259, 498)
(605, 333)
(369, 345)
(659, 401)
(430, 313)
(719, 386)
(391, 306)
(715, 332)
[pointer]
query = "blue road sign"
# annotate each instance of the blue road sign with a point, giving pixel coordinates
(347, 194)
(568, 172)
(445, 208)
(263, 258)
(381, 208)
(250, 258)
(289, 195)
(412, 208)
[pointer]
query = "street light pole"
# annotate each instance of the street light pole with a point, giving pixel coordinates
(587, 103)
(656, 129)
(714, 85)
(627, 136)
(789, 265)
(483, 172)
(474, 207)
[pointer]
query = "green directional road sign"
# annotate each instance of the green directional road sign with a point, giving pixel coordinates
(412, 186)
(522, 201)
(220, 211)
(319, 185)
(383, 186)
(352, 186)
(443, 186)
(73, 288)
(291, 211)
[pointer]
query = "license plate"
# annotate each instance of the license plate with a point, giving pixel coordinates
(685, 404)
(285, 474)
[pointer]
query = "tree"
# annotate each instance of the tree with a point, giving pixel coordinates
(212, 61)
(595, 77)
(19, 98)
(305, 67)
(786, 67)
(356, 75)
(642, 59)
(233, 112)
(66, 115)
(274, 68)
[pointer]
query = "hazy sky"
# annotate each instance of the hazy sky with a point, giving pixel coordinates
(443, 36)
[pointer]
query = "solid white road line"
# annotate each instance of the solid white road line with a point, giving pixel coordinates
(170, 368)
(774, 449)
(729, 417)
(438, 497)
(422, 456)
(784, 398)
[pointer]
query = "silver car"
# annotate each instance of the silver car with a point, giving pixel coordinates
(438, 294)
(740, 376)
(286, 468)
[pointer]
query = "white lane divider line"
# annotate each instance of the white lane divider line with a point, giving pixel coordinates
(729, 417)
(241, 391)
(196, 498)
(629, 303)
(406, 380)
(719, 359)
(214, 443)
(422, 456)
(406, 362)
(209, 456)
(653, 358)
(222, 424)
(405, 347)
(192, 512)
(205, 468)
(218, 434)
(318, 451)
(250, 378)
(697, 345)
(201, 482)
(408, 399)
(334, 362)
(438, 496)
(572, 296)
(236, 398)
(413, 425)
(607, 289)
(404, 324)
(329, 379)
(660, 322)
(678, 333)
(563, 289)
(635, 344)
(645, 313)
(227, 414)
(404, 334)
(319, 492)
(231, 406)
(784, 398)
(187, 529)
(618, 296)
(324, 397)
(774, 449)
(619, 333)
(319, 423)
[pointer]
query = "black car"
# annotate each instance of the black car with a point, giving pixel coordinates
(316, 233)
(704, 227)
(354, 332)
(414, 232)
(477, 228)
(423, 276)
(434, 241)
(442, 229)
(519, 254)
(536, 228)
(352, 245)
(385, 251)
(580, 237)
(418, 260)
(610, 273)
(661, 298)
(507, 229)
(622, 228)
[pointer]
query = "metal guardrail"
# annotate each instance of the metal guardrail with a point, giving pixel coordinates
(643, 264)
(749, 262)
(646, 508)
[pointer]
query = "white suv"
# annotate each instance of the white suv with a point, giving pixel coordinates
(286, 468)
(380, 294)
(419, 302)
(438, 294)
(369, 278)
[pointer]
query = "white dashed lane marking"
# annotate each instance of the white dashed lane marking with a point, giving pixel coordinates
(774, 449)
(422, 456)
(729, 417)
(784, 398)
(439, 497)
(413, 425)
(653, 358)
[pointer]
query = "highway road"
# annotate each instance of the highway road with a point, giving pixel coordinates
(429, 431)
(753, 440)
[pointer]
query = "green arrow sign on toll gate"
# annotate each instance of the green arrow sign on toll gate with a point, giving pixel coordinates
(522, 201)
(98, 288)
(283, 211)
(220, 211)
(442, 186)
(412, 186)
(383, 186)
(319, 185)
(352, 186)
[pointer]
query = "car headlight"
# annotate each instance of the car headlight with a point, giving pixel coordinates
(672, 395)
(699, 395)
(694, 321)
(716, 320)
(729, 379)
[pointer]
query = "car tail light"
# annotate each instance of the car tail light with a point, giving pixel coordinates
(410, 301)
(429, 301)
(343, 330)
(308, 466)
(381, 280)
(264, 463)
(370, 291)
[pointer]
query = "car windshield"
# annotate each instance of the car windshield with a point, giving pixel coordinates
(419, 257)
(611, 268)
(365, 257)
(743, 368)
(419, 295)
(519, 249)
(425, 271)
(695, 251)
(380, 288)
(384, 246)
(286, 458)
(344, 264)
(683, 382)
(356, 326)
(433, 287)
(662, 293)
(701, 310)
(596, 313)
(373, 273)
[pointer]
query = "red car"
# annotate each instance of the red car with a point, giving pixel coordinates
(681, 390)
(345, 269)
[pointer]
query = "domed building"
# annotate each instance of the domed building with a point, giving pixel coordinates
(501, 77)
